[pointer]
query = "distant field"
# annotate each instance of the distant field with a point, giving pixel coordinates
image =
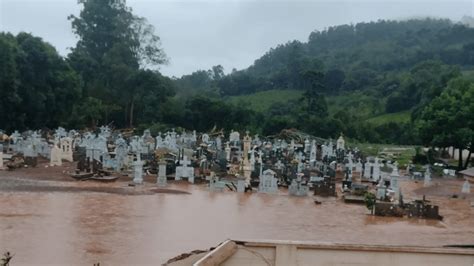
(393, 117)
(261, 101)
(402, 154)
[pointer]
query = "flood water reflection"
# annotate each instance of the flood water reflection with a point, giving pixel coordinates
(85, 228)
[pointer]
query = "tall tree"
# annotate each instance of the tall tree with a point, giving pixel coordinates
(114, 44)
(448, 121)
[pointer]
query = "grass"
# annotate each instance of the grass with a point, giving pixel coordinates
(400, 153)
(392, 117)
(262, 101)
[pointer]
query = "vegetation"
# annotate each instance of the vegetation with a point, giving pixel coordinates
(395, 82)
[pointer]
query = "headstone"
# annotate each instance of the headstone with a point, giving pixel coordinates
(205, 138)
(159, 141)
(394, 176)
(218, 143)
(268, 182)
(161, 180)
(340, 144)
(185, 170)
(66, 149)
(297, 188)
(376, 170)
(241, 185)
(466, 187)
(215, 185)
(138, 170)
(427, 177)
(121, 152)
(1, 158)
(55, 157)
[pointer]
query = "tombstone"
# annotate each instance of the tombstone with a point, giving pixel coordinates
(66, 149)
(121, 152)
(161, 180)
(227, 152)
(307, 146)
(466, 187)
(376, 170)
(394, 180)
(218, 143)
(1, 158)
(55, 157)
(313, 152)
(247, 142)
(234, 137)
(241, 184)
(427, 177)
(185, 170)
(205, 138)
(381, 192)
(268, 182)
(358, 167)
(340, 143)
(215, 185)
(138, 170)
(158, 141)
(297, 188)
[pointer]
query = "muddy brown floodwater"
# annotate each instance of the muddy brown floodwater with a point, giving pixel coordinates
(47, 218)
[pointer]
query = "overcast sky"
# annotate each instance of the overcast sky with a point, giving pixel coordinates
(200, 34)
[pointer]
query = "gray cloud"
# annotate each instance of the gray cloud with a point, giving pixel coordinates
(200, 34)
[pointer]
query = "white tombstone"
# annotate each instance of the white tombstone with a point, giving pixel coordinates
(55, 158)
(394, 176)
(185, 170)
(138, 170)
(358, 167)
(66, 149)
(427, 177)
(368, 170)
(340, 143)
(205, 138)
(376, 170)
(1, 158)
(234, 137)
(312, 155)
(161, 179)
(466, 187)
(268, 182)
(227, 152)
(218, 143)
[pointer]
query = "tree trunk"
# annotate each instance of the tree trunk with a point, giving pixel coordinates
(468, 159)
(460, 165)
(131, 113)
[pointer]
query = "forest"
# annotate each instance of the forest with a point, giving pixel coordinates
(402, 82)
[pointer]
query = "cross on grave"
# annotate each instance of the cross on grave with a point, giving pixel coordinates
(185, 170)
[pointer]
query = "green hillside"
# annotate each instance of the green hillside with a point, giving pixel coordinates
(400, 117)
(262, 101)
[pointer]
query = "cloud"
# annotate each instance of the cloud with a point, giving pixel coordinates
(201, 34)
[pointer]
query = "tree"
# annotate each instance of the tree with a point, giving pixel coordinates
(315, 101)
(114, 48)
(448, 121)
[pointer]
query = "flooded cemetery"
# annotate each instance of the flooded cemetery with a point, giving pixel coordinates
(84, 197)
(205, 133)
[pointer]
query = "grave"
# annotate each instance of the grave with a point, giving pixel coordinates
(325, 187)
(268, 182)
(161, 180)
(466, 187)
(427, 177)
(66, 149)
(55, 157)
(297, 188)
(185, 170)
(138, 170)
